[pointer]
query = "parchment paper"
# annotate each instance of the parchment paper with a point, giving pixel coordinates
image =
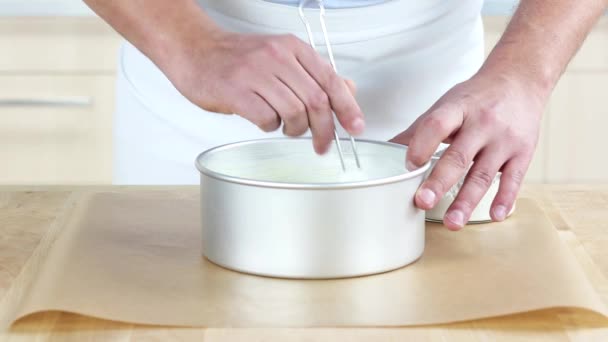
(136, 257)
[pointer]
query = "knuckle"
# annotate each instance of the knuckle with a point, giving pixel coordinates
(438, 184)
(272, 48)
(294, 130)
(467, 205)
(488, 117)
(268, 123)
(322, 127)
(240, 108)
(517, 176)
(234, 109)
(435, 123)
(415, 157)
(456, 159)
(302, 129)
(524, 151)
(290, 115)
(480, 177)
(291, 40)
(318, 101)
(328, 78)
(294, 113)
(299, 109)
(512, 134)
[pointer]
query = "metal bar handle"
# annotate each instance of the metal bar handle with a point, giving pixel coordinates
(60, 101)
(333, 64)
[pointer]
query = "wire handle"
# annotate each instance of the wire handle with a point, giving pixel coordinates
(330, 53)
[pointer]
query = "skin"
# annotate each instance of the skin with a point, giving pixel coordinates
(492, 120)
(266, 79)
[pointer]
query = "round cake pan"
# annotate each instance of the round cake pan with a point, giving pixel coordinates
(481, 213)
(273, 207)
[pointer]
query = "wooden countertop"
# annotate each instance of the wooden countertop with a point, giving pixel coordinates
(579, 213)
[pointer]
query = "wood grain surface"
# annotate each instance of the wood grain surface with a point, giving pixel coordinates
(579, 213)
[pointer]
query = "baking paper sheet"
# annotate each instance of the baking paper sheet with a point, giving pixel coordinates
(136, 257)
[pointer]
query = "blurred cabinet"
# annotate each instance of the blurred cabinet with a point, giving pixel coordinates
(56, 100)
(576, 147)
(570, 148)
(55, 129)
(51, 45)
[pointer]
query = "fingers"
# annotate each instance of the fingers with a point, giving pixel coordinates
(477, 182)
(340, 96)
(316, 102)
(287, 105)
(429, 132)
(510, 182)
(404, 137)
(318, 88)
(352, 87)
(453, 164)
(255, 109)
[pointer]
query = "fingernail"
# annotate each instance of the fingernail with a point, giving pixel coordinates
(500, 212)
(357, 126)
(427, 197)
(410, 166)
(456, 217)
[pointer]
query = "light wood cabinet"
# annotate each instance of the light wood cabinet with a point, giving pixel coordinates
(56, 100)
(578, 125)
(57, 45)
(56, 129)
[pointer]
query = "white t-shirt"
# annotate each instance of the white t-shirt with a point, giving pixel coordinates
(402, 54)
(333, 3)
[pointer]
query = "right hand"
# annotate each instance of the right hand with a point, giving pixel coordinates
(267, 79)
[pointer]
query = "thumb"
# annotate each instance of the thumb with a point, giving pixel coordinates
(404, 137)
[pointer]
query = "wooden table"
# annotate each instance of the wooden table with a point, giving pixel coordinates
(579, 213)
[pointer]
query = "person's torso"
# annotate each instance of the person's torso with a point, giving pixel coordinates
(402, 54)
(391, 45)
(334, 3)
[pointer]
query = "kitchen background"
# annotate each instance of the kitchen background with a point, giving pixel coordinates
(57, 70)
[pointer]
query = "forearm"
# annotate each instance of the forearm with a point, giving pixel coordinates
(541, 39)
(162, 30)
(270, 80)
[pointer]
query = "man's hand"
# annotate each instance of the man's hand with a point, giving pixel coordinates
(491, 121)
(268, 80)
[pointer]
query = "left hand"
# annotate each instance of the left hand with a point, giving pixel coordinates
(492, 120)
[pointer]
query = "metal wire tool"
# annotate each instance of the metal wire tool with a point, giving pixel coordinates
(303, 3)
